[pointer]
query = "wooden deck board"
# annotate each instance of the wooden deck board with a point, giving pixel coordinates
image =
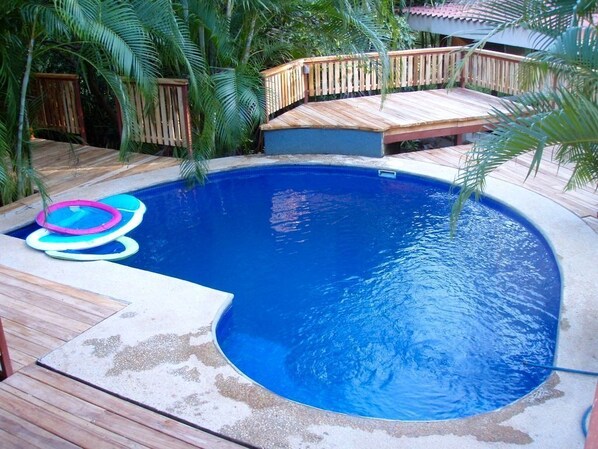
(30, 435)
(550, 180)
(132, 412)
(65, 167)
(400, 111)
(52, 419)
(40, 408)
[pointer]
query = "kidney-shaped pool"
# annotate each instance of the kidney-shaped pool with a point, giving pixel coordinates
(350, 294)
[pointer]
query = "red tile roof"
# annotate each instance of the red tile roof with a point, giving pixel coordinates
(450, 10)
(446, 11)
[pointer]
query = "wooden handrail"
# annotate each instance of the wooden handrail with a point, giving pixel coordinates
(167, 120)
(324, 77)
(60, 107)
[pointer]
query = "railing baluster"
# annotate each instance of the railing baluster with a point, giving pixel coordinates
(338, 75)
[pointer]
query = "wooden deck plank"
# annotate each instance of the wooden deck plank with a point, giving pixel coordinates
(38, 300)
(50, 418)
(549, 181)
(29, 434)
(91, 414)
(41, 314)
(400, 111)
(23, 344)
(10, 441)
(64, 167)
(40, 322)
(132, 412)
(92, 302)
(48, 342)
(19, 359)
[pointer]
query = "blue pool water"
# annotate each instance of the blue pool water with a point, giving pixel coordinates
(350, 294)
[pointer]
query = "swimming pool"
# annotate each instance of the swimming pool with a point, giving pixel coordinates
(349, 294)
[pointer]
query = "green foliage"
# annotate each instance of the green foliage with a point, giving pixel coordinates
(116, 40)
(219, 46)
(562, 114)
(240, 38)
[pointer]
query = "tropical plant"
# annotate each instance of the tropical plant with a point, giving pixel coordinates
(117, 40)
(220, 46)
(240, 38)
(561, 114)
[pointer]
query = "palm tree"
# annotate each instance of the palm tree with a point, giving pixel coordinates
(563, 114)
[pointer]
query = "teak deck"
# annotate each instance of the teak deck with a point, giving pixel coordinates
(65, 167)
(401, 116)
(40, 408)
(550, 180)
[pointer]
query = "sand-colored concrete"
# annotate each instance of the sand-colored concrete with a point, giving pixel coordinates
(160, 349)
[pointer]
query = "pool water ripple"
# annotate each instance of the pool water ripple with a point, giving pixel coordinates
(350, 294)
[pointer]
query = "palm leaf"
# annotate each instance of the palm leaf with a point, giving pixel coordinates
(561, 118)
(115, 28)
(241, 108)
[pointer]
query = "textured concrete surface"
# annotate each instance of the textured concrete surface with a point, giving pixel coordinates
(160, 350)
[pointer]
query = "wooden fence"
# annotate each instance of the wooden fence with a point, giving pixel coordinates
(167, 121)
(324, 77)
(60, 107)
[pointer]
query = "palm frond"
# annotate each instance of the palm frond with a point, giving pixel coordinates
(241, 109)
(564, 119)
(4, 156)
(115, 27)
(573, 57)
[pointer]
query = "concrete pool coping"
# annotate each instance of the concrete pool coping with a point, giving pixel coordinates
(159, 350)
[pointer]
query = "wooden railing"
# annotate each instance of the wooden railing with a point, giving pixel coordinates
(5, 362)
(167, 121)
(322, 78)
(493, 70)
(60, 106)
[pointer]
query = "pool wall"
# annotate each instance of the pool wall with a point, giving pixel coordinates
(202, 388)
(350, 142)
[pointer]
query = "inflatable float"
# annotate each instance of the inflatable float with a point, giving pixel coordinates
(119, 249)
(80, 229)
(78, 217)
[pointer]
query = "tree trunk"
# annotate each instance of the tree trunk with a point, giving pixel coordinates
(22, 106)
(247, 52)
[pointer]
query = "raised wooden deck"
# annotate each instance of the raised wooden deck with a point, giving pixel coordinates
(359, 123)
(364, 125)
(402, 116)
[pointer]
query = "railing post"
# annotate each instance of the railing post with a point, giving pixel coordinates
(305, 71)
(266, 102)
(187, 120)
(79, 108)
(464, 69)
(4, 355)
